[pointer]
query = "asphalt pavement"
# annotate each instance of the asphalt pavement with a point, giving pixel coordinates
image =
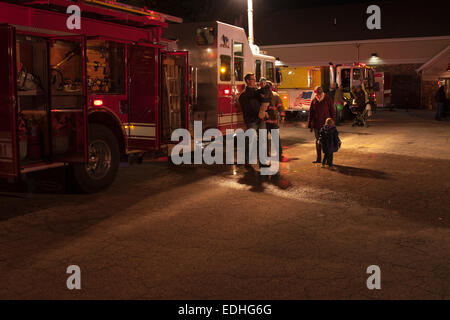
(226, 232)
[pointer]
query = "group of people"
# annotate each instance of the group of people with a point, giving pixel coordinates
(263, 109)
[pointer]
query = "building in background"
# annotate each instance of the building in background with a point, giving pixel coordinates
(437, 68)
(414, 64)
(412, 44)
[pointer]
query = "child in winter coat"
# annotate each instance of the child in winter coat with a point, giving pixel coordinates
(329, 139)
(264, 97)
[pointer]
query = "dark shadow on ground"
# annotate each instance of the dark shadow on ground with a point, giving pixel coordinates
(52, 181)
(51, 189)
(288, 142)
(360, 172)
(256, 181)
(358, 133)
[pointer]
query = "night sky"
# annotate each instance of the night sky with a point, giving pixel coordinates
(303, 21)
(230, 11)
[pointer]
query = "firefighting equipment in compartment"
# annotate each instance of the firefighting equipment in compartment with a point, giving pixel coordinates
(23, 137)
(26, 81)
(34, 141)
(60, 134)
(103, 85)
(57, 77)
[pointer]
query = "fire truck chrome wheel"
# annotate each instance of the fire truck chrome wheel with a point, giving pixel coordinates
(103, 161)
(99, 159)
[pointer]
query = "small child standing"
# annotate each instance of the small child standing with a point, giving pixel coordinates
(264, 97)
(329, 139)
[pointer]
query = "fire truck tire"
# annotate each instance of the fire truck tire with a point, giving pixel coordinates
(104, 160)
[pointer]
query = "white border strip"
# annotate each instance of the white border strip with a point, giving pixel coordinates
(141, 130)
(141, 138)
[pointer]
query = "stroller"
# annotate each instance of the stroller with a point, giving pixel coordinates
(361, 113)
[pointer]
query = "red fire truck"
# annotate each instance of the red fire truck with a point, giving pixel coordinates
(220, 55)
(92, 96)
(86, 97)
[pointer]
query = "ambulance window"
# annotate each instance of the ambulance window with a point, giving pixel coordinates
(279, 76)
(239, 69)
(258, 70)
(205, 36)
(269, 71)
(225, 68)
(345, 82)
(356, 74)
(238, 49)
(105, 67)
(356, 77)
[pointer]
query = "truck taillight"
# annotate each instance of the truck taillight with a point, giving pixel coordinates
(226, 91)
(98, 103)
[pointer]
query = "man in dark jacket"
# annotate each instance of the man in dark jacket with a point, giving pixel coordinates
(440, 99)
(321, 108)
(250, 104)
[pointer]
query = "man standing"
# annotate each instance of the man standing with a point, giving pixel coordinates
(440, 99)
(322, 107)
(248, 100)
(360, 97)
(250, 104)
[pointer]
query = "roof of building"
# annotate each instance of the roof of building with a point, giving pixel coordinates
(413, 50)
(438, 66)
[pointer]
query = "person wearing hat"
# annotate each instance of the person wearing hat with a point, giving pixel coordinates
(322, 108)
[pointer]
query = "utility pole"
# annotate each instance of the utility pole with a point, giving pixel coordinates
(251, 38)
(357, 49)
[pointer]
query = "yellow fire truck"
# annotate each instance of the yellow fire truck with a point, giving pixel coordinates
(298, 83)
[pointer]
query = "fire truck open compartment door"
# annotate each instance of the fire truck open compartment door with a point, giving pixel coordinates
(68, 99)
(174, 93)
(143, 97)
(9, 166)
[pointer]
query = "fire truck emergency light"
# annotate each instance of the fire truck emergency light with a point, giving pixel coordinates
(98, 103)
(226, 91)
